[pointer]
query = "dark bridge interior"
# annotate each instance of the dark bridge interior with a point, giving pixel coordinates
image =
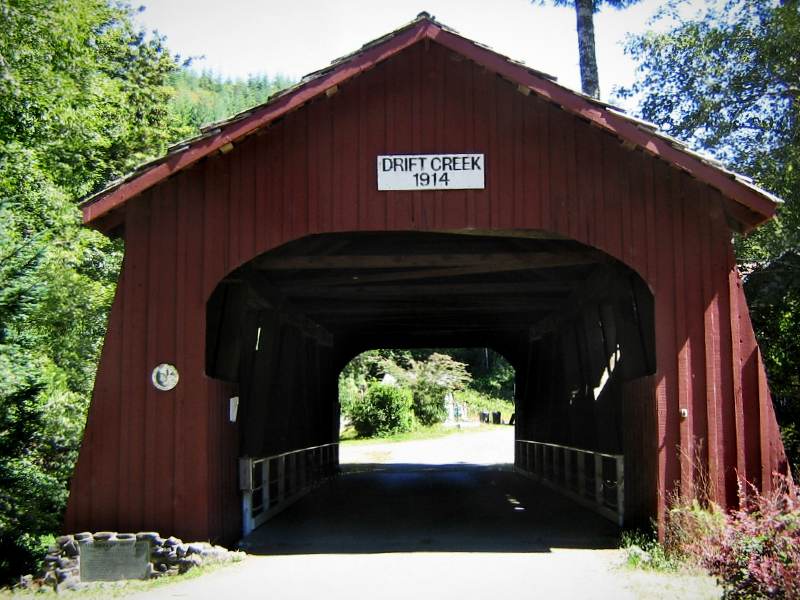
(576, 325)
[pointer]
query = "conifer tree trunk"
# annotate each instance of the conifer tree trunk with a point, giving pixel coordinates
(584, 12)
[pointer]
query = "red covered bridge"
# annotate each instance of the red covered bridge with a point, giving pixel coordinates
(261, 256)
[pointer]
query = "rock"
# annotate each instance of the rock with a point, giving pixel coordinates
(70, 548)
(181, 550)
(199, 547)
(148, 536)
(104, 536)
(62, 540)
(52, 558)
(131, 537)
(172, 541)
(70, 583)
(84, 535)
(184, 564)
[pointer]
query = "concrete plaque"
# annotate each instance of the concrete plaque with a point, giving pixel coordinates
(112, 561)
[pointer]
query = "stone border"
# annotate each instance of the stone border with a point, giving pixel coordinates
(170, 556)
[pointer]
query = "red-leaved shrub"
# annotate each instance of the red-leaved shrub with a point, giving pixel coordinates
(755, 553)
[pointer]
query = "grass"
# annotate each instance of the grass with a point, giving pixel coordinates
(350, 436)
(643, 551)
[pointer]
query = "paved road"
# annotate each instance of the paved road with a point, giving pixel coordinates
(413, 529)
(495, 445)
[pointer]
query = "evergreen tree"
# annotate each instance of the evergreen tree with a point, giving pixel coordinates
(584, 20)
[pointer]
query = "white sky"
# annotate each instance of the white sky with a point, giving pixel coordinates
(241, 37)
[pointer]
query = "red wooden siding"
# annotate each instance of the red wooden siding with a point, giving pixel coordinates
(166, 460)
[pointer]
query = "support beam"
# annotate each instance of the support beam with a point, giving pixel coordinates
(269, 296)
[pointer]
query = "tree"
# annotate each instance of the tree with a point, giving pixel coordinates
(429, 381)
(728, 82)
(82, 99)
(584, 16)
(200, 99)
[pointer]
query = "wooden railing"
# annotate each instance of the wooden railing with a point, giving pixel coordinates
(272, 483)
(594, 479)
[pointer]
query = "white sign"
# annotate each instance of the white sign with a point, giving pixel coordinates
(431, 172)
(165, 377)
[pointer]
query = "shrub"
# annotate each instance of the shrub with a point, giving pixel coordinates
(349, 395)
(643, 551)
(430, 380)
(756, 554)
(429, 404)
(385, 410)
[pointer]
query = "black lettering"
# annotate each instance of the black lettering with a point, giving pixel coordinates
(386, 164)
(476, 163)
(436, 163)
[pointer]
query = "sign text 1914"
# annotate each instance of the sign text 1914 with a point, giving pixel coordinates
(431, 172)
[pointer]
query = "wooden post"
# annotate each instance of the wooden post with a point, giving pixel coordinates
(530, 457)
(556, 466)
(281, 479)
(598, 479)
(246, 486)
(621, 490)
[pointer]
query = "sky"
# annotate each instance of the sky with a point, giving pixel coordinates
(237, 38)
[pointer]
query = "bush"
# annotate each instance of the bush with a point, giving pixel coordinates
(349, 395)
(429, 404)
(756, 554)
(430, 380)
(385, 410)
(643, 551)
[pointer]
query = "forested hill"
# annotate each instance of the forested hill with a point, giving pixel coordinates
(201, 98)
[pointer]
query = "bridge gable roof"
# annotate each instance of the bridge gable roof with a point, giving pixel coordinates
(747, 204)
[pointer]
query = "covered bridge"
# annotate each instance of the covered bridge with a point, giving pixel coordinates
(422, 192)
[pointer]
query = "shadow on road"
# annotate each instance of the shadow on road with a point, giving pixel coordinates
(378, 508)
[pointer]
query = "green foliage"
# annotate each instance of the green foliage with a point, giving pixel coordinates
(385, 410)
(498, 382)
(83, 98)
(643, 551)
(200, 99)
(480, 378)
(728, 82)
(430, 380)
(754, 551)
(477, 402)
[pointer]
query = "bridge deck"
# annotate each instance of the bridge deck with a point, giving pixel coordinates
(431, 508)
